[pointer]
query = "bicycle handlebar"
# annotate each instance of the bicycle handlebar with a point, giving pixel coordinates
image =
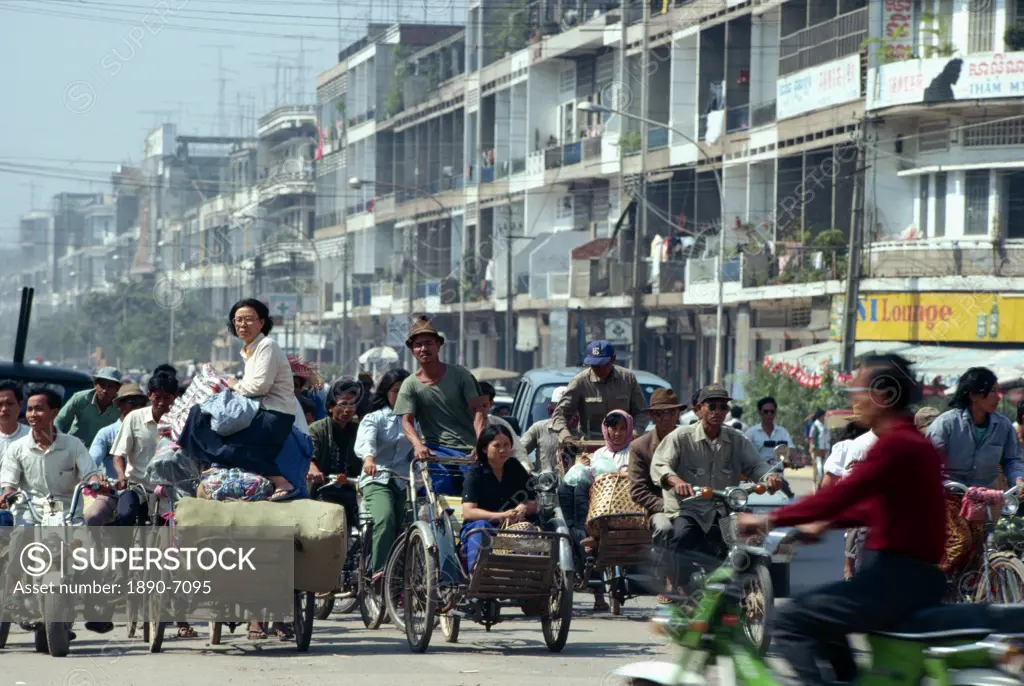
(21, 497)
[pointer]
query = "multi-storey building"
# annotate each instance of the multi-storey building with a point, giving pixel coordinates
(780, 121)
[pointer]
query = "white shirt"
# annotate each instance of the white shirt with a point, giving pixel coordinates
(268, 375)
(847, 453)
(6, 439)
(136, 443)
(53, 472)
(764, 443)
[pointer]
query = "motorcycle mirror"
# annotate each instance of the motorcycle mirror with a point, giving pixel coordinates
(781, 453)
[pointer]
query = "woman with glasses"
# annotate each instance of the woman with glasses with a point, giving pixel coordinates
(268, 376)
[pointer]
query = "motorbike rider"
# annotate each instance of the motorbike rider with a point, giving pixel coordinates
(906, 532)
(977, 440)
(596, 391)
(701, 455)
(665, 410)
(540, 439)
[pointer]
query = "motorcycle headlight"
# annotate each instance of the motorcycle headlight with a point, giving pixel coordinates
(736, 498)
(1010, 505)
(1009, 654)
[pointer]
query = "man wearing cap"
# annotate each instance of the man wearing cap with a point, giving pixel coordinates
(595, 392)
(129, 397)
(702, 455)
(540, 439)
(444, 399)
(89, 411)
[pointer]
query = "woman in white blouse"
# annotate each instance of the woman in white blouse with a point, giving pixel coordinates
(268, 376)
(381, 442)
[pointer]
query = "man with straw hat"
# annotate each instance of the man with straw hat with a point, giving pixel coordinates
(444, 399)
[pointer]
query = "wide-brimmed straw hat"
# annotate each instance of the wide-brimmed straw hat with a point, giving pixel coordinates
(306, 371)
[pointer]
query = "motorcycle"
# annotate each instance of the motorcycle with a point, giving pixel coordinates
(956, 645)
(53, 637)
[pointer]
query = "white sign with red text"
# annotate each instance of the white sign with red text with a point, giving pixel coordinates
(946, 79)
(818, 87)
(897, 25)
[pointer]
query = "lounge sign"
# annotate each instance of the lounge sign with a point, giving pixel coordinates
(947, 79)
(935, 317)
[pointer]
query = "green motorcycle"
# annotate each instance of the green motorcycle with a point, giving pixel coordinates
(951, 645)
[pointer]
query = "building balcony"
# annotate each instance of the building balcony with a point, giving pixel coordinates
(940, 257)
(572, 153)
(549, 286)
(737, 118)
(762, 114)
(285, 118)
(592, 148)
(487, 175)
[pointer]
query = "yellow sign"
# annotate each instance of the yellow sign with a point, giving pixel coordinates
(934, 317)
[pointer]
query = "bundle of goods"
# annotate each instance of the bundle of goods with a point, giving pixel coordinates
(320, 532)
(206, 383)
(233, 484)
(172, 467)
(610, 496)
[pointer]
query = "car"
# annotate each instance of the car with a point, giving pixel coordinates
(536, 386)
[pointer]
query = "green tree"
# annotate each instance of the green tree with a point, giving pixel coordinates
(795, 402)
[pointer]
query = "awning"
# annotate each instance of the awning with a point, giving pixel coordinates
(933, 363)
(494, 374)
(378, 355)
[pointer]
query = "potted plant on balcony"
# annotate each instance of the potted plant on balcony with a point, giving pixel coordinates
(630, 142)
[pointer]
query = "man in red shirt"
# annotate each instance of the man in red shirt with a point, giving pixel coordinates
(897, 493)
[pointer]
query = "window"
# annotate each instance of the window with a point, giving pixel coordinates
(981, 27)
(976, 203)
(922, 214)
(933, 136)
(994, 134)
(940, 204)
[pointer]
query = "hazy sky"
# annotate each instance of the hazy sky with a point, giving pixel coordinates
(82, 80)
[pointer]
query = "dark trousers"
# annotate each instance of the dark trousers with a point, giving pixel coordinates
(575, 503)
(886, 590)
(253, 449)
(131, 510)
(346, 497)
(686, 546)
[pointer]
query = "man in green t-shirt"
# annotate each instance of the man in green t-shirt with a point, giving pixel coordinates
(444, 399)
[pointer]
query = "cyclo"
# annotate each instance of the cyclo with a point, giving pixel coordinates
(530, 571)
(53, 637)
(622, 544)
(966, 644)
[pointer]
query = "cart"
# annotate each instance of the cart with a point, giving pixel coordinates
(619, 552)
(530, 571)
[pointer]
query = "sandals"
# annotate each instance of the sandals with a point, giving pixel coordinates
(186, 632)
(601, 605)
(257, 634)
(281, 496)
(663, 599)
(283, 632)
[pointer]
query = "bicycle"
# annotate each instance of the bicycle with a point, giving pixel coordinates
(53, 637)
(1001, 574)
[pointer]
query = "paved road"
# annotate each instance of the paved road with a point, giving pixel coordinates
(512, 653)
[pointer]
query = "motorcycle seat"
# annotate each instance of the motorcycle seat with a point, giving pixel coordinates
(948, 621)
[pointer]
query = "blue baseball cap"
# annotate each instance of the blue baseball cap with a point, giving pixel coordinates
(598, 353)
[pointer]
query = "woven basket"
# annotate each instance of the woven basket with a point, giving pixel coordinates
(506, 543)
(610, 496)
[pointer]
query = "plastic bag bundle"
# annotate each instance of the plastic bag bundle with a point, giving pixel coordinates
(205, 383)
(234, 484)
(171, 466)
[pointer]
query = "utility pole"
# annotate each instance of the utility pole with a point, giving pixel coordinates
(509, 294)
(344, 298)
(410, 280)
(852, 301)
(640, 222)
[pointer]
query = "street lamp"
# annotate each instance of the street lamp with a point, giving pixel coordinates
(593, 107)
(355, 183)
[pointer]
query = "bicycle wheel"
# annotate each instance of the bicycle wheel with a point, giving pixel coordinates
(758, 607)
(555, 622)
(420, 592)
(5, 630)
(394, 584)
(371, 604)
(1005, 578)
(304, 607)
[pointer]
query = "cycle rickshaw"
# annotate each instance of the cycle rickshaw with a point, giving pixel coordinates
(531, 571)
